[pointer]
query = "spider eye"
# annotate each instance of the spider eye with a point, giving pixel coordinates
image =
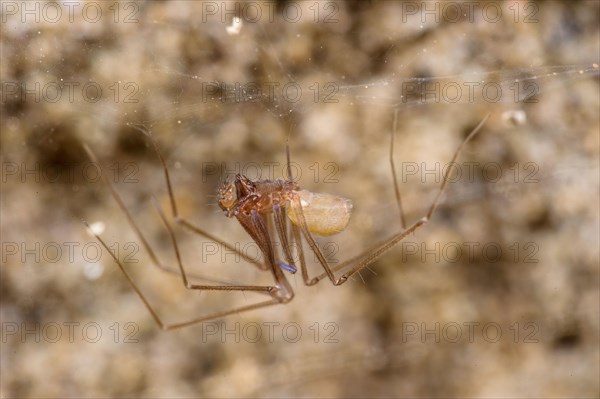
(226, 196)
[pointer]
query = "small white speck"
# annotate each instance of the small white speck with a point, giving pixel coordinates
(235, 27)
(515, 117)
(93, 271)
(97, 228)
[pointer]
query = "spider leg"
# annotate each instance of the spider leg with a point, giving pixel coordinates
(181, 220)
(115, 194)
(393, 167)
(273, 291)
(375, 252)
(210, 316)
(296, 207)
(280, 224)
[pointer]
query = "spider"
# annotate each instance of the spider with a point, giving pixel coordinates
(257, 206)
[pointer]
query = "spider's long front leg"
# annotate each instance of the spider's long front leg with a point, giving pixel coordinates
(115, 194)
(272, 291)
(183, 221)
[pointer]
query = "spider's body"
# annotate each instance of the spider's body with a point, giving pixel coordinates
(325, 214)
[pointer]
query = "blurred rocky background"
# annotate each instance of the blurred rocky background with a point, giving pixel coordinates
(496, 297)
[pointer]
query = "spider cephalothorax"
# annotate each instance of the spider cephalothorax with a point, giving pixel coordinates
(242, 195)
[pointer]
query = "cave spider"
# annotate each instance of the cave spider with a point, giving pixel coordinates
(257, 206)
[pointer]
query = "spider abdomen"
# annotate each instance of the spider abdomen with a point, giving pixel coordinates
(325, 214)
